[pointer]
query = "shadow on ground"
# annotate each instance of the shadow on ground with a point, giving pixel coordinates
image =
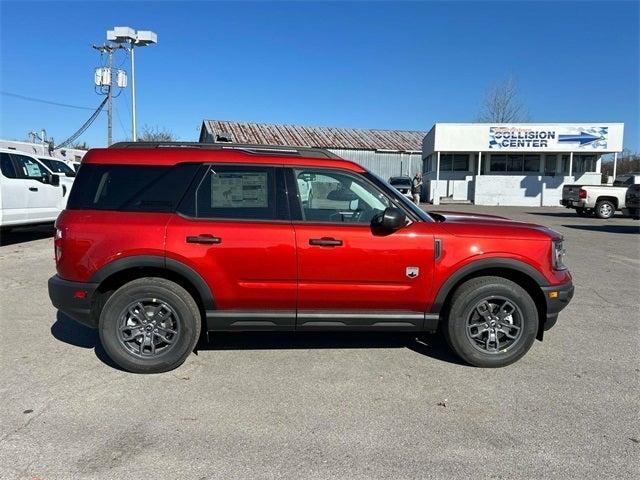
(26, 234)
(433, 346)
(69, 331)
(607, 228)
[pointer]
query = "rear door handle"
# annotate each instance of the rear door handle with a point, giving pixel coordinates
(325, 242)
(33, 189)
(203, 238)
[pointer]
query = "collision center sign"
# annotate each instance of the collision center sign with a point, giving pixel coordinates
(548, 137)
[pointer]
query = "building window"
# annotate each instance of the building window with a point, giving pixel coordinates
(515, 163)
(550, 165)
(581, 163)
(584, 163)
(454, 162)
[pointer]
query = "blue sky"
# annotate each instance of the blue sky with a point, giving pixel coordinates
(372, 65)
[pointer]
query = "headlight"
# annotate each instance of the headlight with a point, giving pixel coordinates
(557, 255)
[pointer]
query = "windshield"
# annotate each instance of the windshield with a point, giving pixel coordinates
(391, 191)
(56, 166)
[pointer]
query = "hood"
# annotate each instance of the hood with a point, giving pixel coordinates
(491, 226)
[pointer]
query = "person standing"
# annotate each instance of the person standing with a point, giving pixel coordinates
(416, 187)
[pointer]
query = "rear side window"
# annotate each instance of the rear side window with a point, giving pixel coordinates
(238, 192)
(130, 188)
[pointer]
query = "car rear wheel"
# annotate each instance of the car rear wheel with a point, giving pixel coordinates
(584, 212)
(605, 209)
(492, 322)
(149, 325)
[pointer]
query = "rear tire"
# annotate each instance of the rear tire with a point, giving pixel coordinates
(605, 209)
(502, 333)
(149, 325)
(584, 212)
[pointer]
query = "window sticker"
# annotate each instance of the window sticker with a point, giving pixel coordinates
(239, 190)
(33, 170)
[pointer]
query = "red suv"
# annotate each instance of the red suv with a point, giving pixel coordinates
(160, 242)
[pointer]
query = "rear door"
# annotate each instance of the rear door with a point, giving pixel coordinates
(349, 275)
(43, 200)
(234, 230)
(14, 191)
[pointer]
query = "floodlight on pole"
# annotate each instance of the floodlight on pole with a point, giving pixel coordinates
(141, 38)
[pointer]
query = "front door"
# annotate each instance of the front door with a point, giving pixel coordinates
(348, 274)
(234, 230)
(14, 191)
(43, 199)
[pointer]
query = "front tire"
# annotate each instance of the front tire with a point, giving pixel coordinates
(605, 209)
(149, 325)
(492, 322)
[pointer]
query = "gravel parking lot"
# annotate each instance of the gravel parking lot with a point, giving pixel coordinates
(330, 406)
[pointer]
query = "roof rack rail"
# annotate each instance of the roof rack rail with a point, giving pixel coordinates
(248, 148)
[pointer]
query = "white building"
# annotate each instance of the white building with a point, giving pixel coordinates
(42, 149)
(514, 164)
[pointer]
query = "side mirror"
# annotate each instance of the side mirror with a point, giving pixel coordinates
(54, 179)
(70, 174)
(389, 220)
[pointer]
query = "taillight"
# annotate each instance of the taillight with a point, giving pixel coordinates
(582, 193)
(57, 244)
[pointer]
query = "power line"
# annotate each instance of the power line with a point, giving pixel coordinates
(83, 127)
(40, 100)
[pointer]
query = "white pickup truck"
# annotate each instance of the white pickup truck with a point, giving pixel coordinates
(599, 200)
(30, 193)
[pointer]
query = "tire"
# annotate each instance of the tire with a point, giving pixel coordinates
(129, 313)
(464, 312)
(605, 209)
(584, 212)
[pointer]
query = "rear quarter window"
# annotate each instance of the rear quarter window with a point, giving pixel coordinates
(130, 187)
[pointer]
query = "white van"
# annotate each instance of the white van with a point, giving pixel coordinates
(29, 193)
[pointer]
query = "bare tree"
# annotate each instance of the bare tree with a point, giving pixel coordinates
(502, 104)
(155, 134)
(628, 162)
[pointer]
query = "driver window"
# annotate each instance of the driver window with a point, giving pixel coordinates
(29, 168)
(337, 197)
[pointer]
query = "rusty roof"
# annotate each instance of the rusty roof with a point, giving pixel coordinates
(317, 137)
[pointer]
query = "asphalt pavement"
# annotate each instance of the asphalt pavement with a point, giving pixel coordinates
(330, 406)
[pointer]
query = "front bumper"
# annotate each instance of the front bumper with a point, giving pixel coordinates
(573, 203)
(73, 299)
(557, 298)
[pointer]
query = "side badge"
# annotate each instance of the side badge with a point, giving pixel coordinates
(413, 272)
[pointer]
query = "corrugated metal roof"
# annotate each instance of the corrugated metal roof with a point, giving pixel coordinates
(318, 137)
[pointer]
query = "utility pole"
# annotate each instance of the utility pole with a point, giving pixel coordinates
(106, 79)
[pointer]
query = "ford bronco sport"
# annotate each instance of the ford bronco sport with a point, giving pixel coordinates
(160, 242)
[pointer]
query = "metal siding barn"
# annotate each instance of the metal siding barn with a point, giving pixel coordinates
(387, 153)
(383, 164)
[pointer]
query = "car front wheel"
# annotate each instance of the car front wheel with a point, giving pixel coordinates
(149, 325)
(492, 322)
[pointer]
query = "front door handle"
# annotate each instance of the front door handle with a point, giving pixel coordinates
(325, 242)
(203, 238)
(33, 189)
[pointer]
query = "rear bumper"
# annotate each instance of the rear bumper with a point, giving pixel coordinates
(573, 203)
(73, 299)
(557, 298)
